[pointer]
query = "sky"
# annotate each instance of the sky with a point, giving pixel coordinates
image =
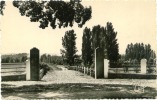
(133, 20)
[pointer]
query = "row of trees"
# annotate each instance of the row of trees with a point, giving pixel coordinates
(22, 57)
(102, 37)
(47, 58)
(139, 51)
(99, 36)
(14, 58)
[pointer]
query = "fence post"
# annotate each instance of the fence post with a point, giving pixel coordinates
(106, 65)
(87, 70)
(143, 66)
(90, 71)
(156, 65)
(77, 68)
(84, 69)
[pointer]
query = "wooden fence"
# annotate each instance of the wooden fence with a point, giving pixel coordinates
(13, 68)
(127, 70)
(16, 71)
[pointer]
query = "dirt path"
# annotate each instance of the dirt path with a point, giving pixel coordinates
(71, 76)
(64, 75)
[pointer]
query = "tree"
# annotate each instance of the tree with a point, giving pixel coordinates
(69, 45)
(2, 4)
(111, 43)
(139, 51)
(147, 51)
(8, 60)
(24, 58)
(104, 38)
(98, 38)
(87, 52)
(43, 58)
(55, 13)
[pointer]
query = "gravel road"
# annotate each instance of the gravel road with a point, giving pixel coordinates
(70, 76)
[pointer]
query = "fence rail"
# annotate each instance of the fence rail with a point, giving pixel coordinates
(13, 68)
(18, 70)
(145, 69)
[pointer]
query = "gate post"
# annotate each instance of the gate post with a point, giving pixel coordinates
(90, 69)
(143, 66)
(156, 65)
(28, 69)
(99, 63)
(34, 64)
(84, 70)
(106, 67)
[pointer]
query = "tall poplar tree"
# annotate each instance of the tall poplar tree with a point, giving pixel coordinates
(96, 37)
(87, 52)
(69, 45)
(104, 38)
(111, 43)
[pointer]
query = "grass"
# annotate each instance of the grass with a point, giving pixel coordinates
(54, 66)
(77, 91)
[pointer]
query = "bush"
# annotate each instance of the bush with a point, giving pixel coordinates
(45, 67)
(71, 67)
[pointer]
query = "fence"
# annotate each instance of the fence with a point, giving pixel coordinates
(30, 70)
(142, 70)
(133, 68)
(12, 68)
(13, 71)
(17, 71)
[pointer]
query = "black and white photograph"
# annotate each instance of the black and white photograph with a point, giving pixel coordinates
(78, 49)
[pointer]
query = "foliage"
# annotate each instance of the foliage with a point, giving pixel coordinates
(69, 45)
(14, 58)
(47, 58)
(54, 12)
(87, 51)
(2, 4)
(111, 43)
(139, 51)
(77, 60)
(104, 38)
(45, 67)
(98, 38)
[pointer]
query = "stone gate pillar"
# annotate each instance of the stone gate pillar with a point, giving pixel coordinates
(28, 69)
(99, 63)
(106, 67)
(156, 65)
(34, 64)
(143, 66)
